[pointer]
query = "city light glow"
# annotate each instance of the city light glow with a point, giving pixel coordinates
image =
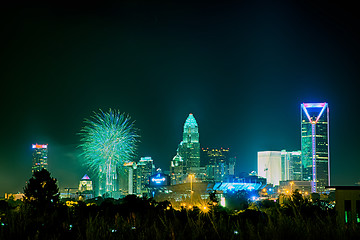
(222, 201)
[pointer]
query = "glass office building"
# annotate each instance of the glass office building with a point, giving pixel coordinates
(315, 145)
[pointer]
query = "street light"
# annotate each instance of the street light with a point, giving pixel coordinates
(291, 186)
(191, 182)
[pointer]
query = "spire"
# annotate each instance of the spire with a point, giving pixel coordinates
(85, 177)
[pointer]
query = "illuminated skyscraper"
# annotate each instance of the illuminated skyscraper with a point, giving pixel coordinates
(39, 157)
(315, 144)
(189, 148)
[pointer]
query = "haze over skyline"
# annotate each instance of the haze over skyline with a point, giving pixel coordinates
(242, 68)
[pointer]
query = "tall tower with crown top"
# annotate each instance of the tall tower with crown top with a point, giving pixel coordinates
(189, 148)
(315, 145)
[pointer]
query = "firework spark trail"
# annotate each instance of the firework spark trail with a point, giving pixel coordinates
(108, 139)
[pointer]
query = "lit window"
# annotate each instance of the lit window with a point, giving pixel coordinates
(347, 204)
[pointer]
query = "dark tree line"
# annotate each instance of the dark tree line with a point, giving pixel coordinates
(43, 216)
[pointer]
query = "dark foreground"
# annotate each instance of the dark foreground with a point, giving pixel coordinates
(136, 218)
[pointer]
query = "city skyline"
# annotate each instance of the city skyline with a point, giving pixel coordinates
(242, 69)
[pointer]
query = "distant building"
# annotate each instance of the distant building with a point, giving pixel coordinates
(145, 168)
(289, 186)
(86, 188)
(177, 170)
(85, 184)
(128, 183)
(278, 166)
(269, 166)
(14, 196)
(231, 166)
(315, 145)
(137, 176)
(70, 193)
(189, 147)
(39, 157)
(291, 167)
(219, 167)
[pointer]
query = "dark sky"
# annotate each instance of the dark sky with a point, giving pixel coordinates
(242, 68)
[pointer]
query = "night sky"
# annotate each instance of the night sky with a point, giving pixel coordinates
(242, 68)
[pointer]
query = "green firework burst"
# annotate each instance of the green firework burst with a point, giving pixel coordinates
(108, 137)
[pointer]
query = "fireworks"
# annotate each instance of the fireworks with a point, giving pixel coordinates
(108, 140)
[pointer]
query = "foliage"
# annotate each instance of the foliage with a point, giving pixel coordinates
(213, 199)
(41, 191)
(237, 200)
(141, 218)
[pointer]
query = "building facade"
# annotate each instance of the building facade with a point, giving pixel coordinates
(278, 166)
(39, 157)
(145, 168)
(347, 205)
(85, 184)
(177, 170)
(291, 166)
(137, 176)
(315, 145)
(219, 167)
(269, 166)
(86, 190)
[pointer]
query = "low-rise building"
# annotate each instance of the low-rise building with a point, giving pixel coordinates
(347, 205)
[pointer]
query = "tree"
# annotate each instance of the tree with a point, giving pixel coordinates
(41, 191)
(237, 200)
(213, 199)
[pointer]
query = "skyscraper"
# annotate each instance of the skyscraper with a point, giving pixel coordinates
(291, 167)
(216, 163)
(39, 157)
(145, 168)
(315, 144)
(138, 176)
(189, 148)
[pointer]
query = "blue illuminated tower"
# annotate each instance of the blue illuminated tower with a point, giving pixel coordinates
(315, 145)
(189, 148)
(39, 157)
